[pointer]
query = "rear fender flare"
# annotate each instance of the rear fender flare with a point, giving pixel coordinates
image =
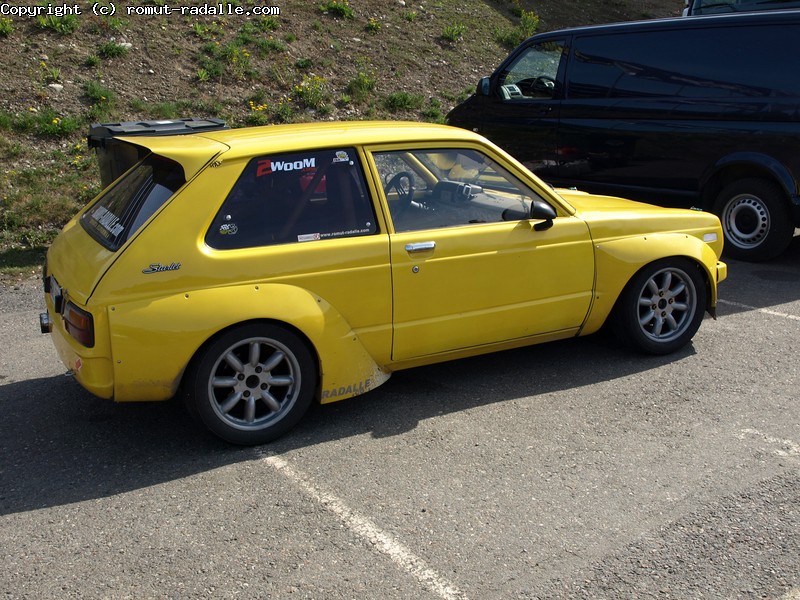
(180, 325)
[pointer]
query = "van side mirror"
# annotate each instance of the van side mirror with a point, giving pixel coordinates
(542, 211)
(483, 87)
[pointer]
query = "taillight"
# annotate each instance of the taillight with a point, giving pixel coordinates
(79, 324)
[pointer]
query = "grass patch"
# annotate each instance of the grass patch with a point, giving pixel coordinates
(360, 87)
(45, 122)
(512, 37)
(6, 27)
(312, 91)
(338, 8)
(63, 25)
(453, 32)
(400, 101)
(112, 50)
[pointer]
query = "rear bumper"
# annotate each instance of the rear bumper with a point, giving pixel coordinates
(95, 373)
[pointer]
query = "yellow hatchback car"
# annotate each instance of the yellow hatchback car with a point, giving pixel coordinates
(257, 270)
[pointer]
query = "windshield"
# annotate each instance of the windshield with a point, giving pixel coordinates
(707, 7)
(124, 208)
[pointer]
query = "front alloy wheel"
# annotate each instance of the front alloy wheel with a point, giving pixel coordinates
(253, 383)
(662, 307)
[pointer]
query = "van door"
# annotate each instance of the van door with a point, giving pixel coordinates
(526, 99)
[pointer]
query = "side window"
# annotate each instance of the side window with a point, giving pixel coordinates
(719, 62)
(436, 188)
(297, 197)
(534, 73)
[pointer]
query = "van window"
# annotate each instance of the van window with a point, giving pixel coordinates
(534, 73)
(297, 197)
(717, 62)
(133, 199)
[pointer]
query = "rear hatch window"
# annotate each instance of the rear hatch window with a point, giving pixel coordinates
(133, 199)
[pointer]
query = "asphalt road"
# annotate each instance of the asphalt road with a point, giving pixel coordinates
(571, 470)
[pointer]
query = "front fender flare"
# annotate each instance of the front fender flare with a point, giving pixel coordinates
(617, 261)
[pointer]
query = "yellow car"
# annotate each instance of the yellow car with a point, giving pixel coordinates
(257, 270)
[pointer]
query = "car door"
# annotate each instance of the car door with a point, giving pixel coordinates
(468, 268)
(523, 109)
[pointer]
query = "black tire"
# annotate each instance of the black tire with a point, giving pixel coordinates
(252, 384)
(755, 219)
(661, 308)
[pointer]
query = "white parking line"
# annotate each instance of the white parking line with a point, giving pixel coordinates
(787, 447)
(766, 311)
(364, 528)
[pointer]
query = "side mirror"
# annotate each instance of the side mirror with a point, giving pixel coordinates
(542, 211)
(483, 87)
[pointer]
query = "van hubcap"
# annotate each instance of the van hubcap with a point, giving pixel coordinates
(746, 221)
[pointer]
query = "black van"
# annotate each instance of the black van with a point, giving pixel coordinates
(701, 111)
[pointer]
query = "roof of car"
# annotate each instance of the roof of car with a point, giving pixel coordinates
(334, 133)
(194, 150)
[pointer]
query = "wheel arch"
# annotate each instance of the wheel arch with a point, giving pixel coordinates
(344, 367)
(198, 353)
(620, 261)
(744, 165)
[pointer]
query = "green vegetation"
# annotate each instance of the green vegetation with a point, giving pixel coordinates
(363, 84)
(6, 27)
(112, 50)
(512, 37)
(453, 32)
(338, 8)
(63, 25)
(312, 91)
(400, 101)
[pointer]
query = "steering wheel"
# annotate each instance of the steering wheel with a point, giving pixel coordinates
(544, 84)
(403, 184)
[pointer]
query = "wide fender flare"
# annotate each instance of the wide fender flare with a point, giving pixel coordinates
(767, 164)
(175, 327)
(617, 261)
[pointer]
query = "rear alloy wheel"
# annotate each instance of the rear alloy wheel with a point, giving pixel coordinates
(662, 307)
(253, 383)
(755, 219)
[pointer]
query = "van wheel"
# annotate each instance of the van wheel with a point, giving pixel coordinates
(755, 219)
(253, 383)
(662, 306)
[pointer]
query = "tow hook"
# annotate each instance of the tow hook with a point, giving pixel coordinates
(45, 323)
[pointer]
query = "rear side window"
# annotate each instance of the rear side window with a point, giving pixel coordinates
(296, 197)
(124, 208)
(714, 62)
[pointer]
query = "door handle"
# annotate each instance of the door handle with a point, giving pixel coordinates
(420, 247)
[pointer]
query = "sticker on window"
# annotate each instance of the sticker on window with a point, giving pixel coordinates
(107, 220)
(308, 237)
(267, 166)
(341, 156)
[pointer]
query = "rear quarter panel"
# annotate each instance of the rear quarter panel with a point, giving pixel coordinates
(335, 292)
